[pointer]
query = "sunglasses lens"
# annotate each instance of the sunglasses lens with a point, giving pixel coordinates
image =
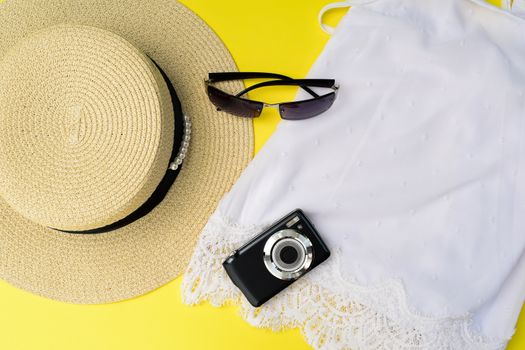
(234, 105)
(306, 109)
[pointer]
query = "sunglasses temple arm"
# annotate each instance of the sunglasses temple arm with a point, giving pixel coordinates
(224, 76)
(303, 83)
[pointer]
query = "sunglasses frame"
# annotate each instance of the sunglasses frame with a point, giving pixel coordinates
(279, 80)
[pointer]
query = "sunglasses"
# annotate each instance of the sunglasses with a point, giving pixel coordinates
(296, 110)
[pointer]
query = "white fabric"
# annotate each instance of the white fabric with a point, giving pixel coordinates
(415, 178)
(518, 7)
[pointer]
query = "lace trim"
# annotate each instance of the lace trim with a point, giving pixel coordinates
(342, 316)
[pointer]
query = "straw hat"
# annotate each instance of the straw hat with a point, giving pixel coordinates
(95, 205)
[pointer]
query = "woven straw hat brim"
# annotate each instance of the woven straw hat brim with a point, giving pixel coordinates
(152, 251)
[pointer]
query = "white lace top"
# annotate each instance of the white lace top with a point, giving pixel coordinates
(415, 179)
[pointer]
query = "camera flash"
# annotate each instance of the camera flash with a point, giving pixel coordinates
(292, 222)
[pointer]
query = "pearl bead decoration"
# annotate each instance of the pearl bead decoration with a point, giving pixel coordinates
(183, 150)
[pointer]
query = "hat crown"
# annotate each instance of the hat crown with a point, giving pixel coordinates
(86, 124)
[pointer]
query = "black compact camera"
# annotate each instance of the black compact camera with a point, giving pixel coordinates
(277, 257)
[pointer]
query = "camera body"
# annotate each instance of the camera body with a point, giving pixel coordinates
(276, 258)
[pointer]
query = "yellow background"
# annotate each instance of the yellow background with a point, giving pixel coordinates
(268, 35)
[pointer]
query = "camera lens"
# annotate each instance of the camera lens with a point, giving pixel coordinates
(292, 251)
(287, 254)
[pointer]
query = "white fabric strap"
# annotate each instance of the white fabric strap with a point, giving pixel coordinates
(334, 5)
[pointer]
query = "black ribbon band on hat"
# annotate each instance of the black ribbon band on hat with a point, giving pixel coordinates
(169, 178)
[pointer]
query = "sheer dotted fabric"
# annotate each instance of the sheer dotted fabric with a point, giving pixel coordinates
(414, 178)
(515, 6)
